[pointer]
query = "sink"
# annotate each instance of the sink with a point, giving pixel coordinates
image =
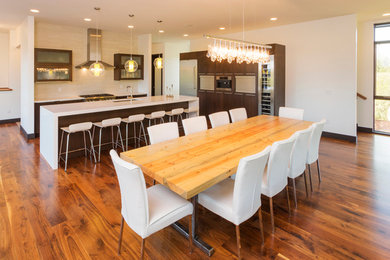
(125, 100)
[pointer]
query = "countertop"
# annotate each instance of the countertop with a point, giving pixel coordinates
(115, 93)
(109, 105)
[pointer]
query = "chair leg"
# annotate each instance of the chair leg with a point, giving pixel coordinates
(92, 148)
(85, 144)
(295, 193)
(304, 176)
(190, 233)
(142, 248)
(238, 241)
(120, 237)
(288, 200)
(100, 142)
(59, 154)
(112, 137)
(135, 135)
(319, 172)
(67, 149)
(127, 136)
(311, 183)
(261, 226)
(120, 136)
(271, 210)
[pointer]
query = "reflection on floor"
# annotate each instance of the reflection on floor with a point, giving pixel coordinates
(49, 214)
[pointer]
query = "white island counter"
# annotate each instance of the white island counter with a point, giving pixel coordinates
(51, 116)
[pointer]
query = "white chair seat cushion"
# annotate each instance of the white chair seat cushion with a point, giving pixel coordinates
(109, 122)
(165, 208)
(270, 191)
(191, 110)
(74, 128)
(175, 112)
(157, 114)
(219, 199)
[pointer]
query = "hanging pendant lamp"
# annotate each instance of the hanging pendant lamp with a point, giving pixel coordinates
(97, 68)
(131, 65)
(158, 62)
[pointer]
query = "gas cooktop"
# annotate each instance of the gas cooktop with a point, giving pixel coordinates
(93, 97)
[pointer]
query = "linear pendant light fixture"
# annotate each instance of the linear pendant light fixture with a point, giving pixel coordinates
(237, 50)
(97, 68)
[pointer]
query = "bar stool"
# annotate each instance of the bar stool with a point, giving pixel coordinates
(76, 128)
(111, 122)
(190, 110)
(156, 115)
(175, 112)
(139, 118)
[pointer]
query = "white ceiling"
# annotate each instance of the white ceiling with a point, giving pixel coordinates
(194, 17)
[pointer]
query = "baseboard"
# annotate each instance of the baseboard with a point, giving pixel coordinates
(7, 121)
(348, 138)
(27, 136)
(364, 129)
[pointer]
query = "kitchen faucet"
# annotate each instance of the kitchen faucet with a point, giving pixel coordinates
(130, 90)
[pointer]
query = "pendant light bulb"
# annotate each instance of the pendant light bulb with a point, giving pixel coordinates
(96, 69)
(158, 63)
(131, 65)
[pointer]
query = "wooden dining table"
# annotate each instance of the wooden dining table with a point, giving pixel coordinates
(191, 164)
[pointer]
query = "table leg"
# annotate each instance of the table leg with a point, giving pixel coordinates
(206, 248)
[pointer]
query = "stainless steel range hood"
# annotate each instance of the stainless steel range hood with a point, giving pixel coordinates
(93, 53)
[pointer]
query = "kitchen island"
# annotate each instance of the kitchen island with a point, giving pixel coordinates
(53, 117)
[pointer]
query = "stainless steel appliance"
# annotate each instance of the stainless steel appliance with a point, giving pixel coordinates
(188, 77)
(97, 97)
(224, 83)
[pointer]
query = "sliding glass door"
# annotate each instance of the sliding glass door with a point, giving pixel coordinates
(382, 79)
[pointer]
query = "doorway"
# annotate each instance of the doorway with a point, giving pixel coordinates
(157, 78)
(382, 79)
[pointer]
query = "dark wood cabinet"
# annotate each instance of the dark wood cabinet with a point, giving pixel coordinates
(119, 63)
(52, 65)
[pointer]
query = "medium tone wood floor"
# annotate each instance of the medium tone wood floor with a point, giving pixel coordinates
(46, 214)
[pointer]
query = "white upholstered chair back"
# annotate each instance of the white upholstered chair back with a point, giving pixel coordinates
(278, 163)
(247, 185)
(194, 124)
(163, 132)
(290, 112)
(299, 152)
(219, 119)
(314, 144)
(135, 208)
(238, 114)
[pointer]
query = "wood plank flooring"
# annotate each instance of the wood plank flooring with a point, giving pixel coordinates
(46, 214)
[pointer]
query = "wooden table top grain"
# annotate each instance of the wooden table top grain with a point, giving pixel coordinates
(191, 164)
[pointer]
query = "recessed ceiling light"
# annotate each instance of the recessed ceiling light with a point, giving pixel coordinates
(87, 19)
(131, 26)
(222, 28)
(34, 11)
(160, 31)
(386, 14)
(274, 19)
(185, 35)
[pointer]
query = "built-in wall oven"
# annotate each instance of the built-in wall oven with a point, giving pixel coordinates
(224, 83)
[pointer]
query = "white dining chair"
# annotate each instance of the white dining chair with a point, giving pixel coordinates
(237, 201)
(238, 114)
(275, 176)
(147, 210)
(314, 146)
(219, 119)
(292, 113)
(298, 158)
(163, 132)
(194, 125)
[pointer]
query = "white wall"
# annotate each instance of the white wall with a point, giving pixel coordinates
(75, 39)
(365, 108)
(145, 47)
(26, 31)
(171, 56)
(321, 68)
(4, 49)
